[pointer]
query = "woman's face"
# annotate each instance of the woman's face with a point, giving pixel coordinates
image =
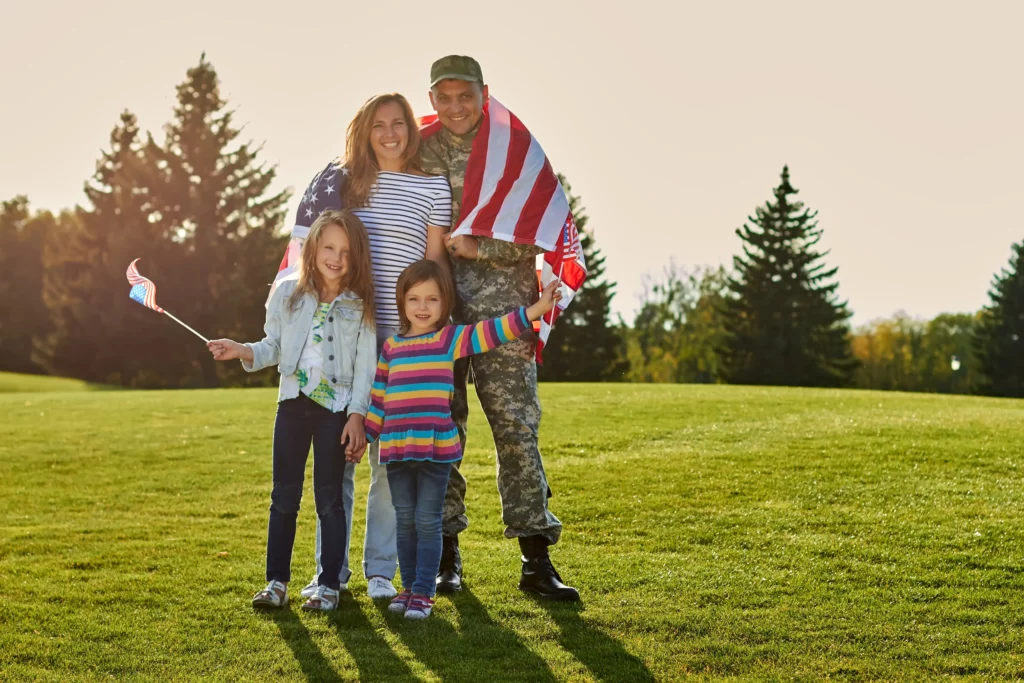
(389, 135)
(332, 255)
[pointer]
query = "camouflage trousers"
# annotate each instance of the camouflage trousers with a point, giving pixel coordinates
(506, 384)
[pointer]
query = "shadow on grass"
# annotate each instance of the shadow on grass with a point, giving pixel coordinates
(606, 658)
(373, 655)
(315, 667)
(480, 650)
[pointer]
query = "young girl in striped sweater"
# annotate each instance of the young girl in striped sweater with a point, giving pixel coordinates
(410, 414)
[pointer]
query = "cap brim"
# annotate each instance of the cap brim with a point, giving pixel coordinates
(454, 77)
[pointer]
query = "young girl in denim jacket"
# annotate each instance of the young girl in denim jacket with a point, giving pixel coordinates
(410, 413)
(319, 332)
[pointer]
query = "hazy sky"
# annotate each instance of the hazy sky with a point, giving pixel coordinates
(901, 121)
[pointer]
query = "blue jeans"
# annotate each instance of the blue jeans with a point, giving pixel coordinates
(299, 422)
(380, 558)
(417, 492)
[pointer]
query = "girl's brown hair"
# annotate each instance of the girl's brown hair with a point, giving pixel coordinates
(358, 279)
(416, 273)
(360, 160)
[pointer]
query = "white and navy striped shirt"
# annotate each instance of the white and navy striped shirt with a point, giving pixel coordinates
(400, 208)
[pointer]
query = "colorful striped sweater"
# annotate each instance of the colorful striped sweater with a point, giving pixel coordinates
(410, 403)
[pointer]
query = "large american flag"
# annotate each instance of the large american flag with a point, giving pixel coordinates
(143, 289)
(511, 193)
(322, 194)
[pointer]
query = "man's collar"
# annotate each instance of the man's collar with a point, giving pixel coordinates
(466, 139)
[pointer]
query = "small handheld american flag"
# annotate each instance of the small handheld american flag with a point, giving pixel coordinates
(143, 291)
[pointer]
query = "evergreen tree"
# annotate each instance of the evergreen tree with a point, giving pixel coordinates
(22, 314)
(999, 339)
(783, 322)
(99, 333)
(584, 345)
(213, 199)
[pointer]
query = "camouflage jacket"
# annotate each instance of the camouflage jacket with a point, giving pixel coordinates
(504, 275)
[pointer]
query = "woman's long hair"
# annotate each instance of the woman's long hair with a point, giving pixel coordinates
(358, 279)
(360, 159)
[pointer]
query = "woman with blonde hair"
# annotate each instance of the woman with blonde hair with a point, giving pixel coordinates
(406, 213)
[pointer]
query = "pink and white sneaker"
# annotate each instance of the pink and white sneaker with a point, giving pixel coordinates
(419, 607)
(400, 602)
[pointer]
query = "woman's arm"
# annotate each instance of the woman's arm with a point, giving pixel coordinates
(435, 247)
(439, 222)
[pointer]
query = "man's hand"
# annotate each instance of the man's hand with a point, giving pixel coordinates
(353, 438)
(463, 246)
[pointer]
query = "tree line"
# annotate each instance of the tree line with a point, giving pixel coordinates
(198, 208)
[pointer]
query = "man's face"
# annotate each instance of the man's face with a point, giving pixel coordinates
(459, 104)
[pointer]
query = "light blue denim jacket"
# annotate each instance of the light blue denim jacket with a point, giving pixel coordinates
(350, 343)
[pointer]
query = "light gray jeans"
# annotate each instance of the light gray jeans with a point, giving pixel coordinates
(380, 546)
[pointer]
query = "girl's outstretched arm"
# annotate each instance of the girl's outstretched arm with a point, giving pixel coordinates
(267, 351)
(489, 334)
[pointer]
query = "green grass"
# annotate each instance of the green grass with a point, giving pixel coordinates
(17, 382)
(713, 531)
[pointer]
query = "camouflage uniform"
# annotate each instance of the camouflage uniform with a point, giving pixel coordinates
(503, 277)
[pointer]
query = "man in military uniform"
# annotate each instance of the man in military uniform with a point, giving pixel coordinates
(492, 277)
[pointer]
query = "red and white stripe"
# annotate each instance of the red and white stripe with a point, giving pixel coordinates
(511, 193)
(290, 262)
(136, 278)
(568, 265)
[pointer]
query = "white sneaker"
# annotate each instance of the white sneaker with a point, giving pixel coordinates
(311, 587)
(379, 587)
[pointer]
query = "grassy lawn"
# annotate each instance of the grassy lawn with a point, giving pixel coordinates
(17, 382)
(713, 531)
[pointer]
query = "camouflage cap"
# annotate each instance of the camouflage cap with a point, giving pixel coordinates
(458, 67)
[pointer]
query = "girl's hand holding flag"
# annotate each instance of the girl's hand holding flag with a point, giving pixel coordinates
(226, 349)
(551, 295)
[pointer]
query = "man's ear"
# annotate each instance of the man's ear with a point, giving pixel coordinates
(485, 93)
(430, 93)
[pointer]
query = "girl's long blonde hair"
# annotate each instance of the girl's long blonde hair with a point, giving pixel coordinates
(358, 279)
(360, 159)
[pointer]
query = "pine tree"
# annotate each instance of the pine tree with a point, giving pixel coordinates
(22, 314)
(214, 200)
(99, 333)
(999, 339)
(783, 322)
(584, 345)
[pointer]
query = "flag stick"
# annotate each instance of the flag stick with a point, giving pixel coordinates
(186, 327)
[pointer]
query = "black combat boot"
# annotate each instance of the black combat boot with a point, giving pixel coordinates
(449, 574)
(539, 575)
